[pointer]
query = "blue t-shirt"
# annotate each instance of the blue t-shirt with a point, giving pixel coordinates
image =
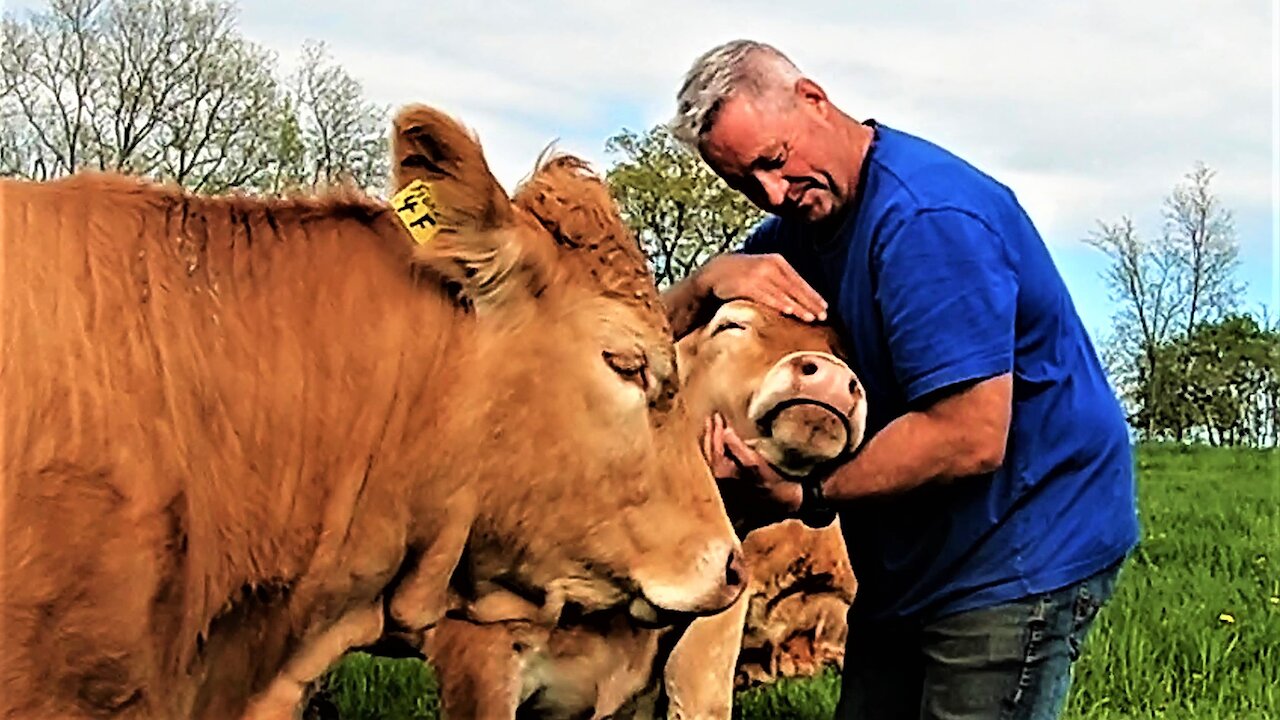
(936, 276)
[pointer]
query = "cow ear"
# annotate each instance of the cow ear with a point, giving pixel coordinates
(686, 352)
(464, 227)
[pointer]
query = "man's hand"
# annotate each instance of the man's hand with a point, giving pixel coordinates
(767, 279)
(729, 458)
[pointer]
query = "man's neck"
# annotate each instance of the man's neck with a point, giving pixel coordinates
(857, 138)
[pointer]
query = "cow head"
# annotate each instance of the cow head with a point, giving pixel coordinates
(591, 488)
(780, 384)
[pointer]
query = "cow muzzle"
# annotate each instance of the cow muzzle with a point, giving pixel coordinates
(716, 581)
(809, 410)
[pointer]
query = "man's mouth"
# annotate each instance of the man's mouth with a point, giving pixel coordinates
(797, 201)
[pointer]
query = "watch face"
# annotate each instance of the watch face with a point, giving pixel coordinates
(817, 518)
(813, 491)
(814, 511)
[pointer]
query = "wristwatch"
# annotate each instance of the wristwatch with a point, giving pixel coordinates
(814, 510)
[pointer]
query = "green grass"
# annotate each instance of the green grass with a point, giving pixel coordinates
(1211, 547)
(1160, 649)
(362, 686)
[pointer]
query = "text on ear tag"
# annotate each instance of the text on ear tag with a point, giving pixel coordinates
(417, 210)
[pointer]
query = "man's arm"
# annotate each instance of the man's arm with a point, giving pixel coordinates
(958, 436)
(947, 295)
(686, 302)
(961, 435)
(946, 290)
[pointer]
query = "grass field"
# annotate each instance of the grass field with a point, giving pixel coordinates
(1193, 631)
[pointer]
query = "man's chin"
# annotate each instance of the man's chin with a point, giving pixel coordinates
(815, 213)
(813, 210)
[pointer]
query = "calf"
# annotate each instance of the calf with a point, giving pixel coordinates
(782, 385)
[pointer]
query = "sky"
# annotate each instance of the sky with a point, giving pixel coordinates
(1088, 110)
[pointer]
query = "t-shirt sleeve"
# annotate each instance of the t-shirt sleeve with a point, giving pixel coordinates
(947, 295)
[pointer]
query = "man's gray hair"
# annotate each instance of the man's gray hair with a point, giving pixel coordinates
(752, 68)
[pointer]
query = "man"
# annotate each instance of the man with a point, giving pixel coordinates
(989, 510)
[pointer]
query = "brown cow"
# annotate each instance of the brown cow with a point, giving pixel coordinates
(241, 435)
(801, 587)
(781, 386)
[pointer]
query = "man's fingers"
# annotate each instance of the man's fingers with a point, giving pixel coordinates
(806, 298)
(743, 454)
(770, 280)
(787, 303)
(764, 474)
(722, 432)
(713, 441)
(790, 281)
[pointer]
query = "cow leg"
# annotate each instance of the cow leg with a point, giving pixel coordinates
(478, 668)
(282, 700)
(699, 673)
(422, 595)
(644, 706)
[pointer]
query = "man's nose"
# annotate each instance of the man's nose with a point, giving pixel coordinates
(775, 189)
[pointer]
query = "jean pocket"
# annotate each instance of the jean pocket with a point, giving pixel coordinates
(1083, 612)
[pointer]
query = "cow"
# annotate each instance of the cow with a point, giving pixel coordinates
(243, 435)
(802, 585)
(783, 386)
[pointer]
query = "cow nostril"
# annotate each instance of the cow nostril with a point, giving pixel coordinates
(853, 386)
(809, 368)
(733, 570)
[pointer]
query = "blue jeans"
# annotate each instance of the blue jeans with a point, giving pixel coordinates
(1006, 662)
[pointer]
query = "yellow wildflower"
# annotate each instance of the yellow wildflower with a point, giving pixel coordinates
(1226, 618)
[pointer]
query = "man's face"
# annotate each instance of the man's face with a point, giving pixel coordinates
(780, 155)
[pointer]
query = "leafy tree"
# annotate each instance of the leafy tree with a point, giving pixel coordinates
(682, 212)
(1225, 385)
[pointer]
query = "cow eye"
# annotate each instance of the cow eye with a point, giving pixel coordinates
(632, 367)
(727, 325)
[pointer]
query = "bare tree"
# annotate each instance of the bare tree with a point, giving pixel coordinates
(19, 151)
(1204, 242)
(170, 89)
(342, 132)
(1143, 282)
(48, 81)
(1163, 290)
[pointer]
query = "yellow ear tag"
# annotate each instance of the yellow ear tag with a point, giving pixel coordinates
(417, 210)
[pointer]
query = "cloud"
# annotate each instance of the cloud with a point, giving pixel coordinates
(1087, 109)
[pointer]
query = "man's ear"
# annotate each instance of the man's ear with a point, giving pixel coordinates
(811, 94)
(464, 225)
